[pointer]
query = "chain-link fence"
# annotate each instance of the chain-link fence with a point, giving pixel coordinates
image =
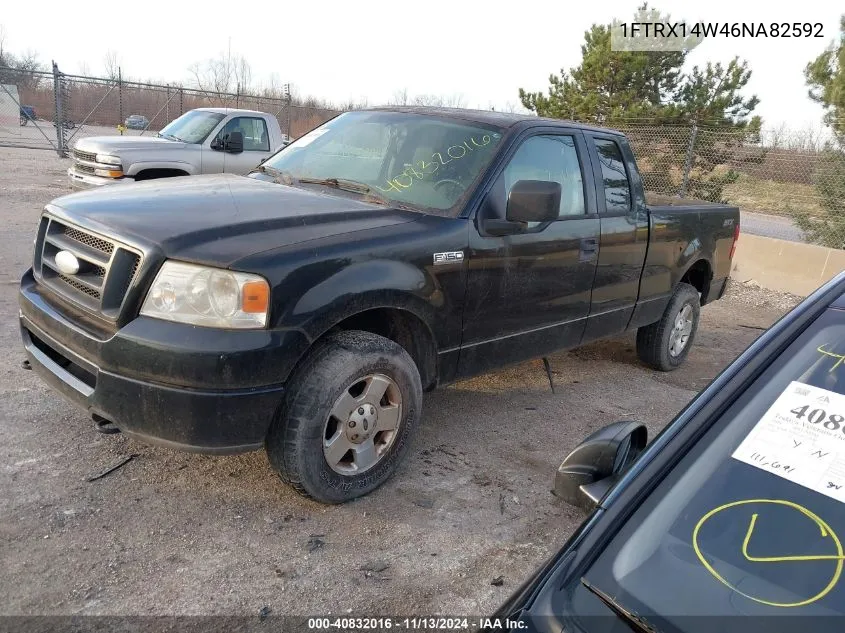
(796, 174)
(49, 110)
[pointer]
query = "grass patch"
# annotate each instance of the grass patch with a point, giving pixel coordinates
(769, 196)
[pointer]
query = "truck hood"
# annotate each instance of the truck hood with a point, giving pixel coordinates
(218, 219)
(117, 144)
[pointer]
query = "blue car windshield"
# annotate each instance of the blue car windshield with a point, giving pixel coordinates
(752, 520)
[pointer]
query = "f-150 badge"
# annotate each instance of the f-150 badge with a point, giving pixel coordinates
(452, 257)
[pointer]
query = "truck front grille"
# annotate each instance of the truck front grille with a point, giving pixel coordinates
(104, 246)
(91, 157)
(106, 268)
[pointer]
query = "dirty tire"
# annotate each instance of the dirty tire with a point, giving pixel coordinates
(294, 443)
(653, 341)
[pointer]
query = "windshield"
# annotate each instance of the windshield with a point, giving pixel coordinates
(192, 127)
(426, 162)
(751, 521)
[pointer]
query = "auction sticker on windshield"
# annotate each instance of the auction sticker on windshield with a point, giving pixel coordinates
(801, 438)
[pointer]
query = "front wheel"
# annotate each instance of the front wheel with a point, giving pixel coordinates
(664, 345)
(348, 417)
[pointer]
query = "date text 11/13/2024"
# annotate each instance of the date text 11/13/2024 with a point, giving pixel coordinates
(419, 623)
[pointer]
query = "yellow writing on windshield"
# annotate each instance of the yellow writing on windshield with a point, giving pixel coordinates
(427, 167)
(840, 357)
(836, 557)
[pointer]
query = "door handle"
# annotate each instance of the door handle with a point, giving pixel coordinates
(589, 248)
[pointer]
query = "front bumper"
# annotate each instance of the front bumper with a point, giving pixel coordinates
(79, 180)
(185, 387)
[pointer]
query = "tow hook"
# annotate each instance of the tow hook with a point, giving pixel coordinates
(104, 426)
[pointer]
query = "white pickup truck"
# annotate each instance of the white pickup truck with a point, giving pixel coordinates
(201, 141)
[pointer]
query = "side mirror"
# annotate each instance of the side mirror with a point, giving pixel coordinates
(534, 201)
(234, 143)
(528, 201)
(217, 144)
(594, 466)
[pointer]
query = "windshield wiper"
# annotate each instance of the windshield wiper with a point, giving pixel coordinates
(347, 185)
(171, 137)
(636, 622)
(279, 177)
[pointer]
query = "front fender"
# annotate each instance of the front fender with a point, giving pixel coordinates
(137, 167)
(364, 286)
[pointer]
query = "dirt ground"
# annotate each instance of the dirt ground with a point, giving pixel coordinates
(177, 533)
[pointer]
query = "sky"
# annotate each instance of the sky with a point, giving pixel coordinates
(367, 50)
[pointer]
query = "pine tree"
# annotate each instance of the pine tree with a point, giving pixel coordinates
(825, 77)
(625, 88)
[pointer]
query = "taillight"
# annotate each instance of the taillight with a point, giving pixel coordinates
(736, 238)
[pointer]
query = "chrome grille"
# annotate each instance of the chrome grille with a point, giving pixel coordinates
(89, 156)
(106, 268)
(85, 169)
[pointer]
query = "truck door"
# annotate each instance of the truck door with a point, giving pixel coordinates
(624, 236)
(256, 144)
(529, 293)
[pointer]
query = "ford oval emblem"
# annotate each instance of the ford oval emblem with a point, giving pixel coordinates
(67, 263)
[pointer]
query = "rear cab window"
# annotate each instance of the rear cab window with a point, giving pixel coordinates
(616, 183)
(752, 520)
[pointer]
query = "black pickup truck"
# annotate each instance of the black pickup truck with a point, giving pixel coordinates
(306, 307)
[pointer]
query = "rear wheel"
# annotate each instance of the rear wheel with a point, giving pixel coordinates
(347, 420)
(664, 345)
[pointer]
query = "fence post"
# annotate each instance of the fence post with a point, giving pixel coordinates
(238, 96)
(287, 113)
(181, 101)
(58, 114)
(167, 105)
(688, 160)
(119, 97)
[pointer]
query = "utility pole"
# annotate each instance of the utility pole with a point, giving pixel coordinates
(287, 107)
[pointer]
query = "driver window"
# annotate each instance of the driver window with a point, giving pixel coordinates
(254, 131)
(550, 158)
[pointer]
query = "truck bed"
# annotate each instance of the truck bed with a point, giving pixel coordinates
(657, 202)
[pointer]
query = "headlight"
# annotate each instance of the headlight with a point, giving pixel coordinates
(109, 173)
(212, 297)
(106, 159)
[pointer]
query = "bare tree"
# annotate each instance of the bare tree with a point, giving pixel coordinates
(24, 68)
(400, 97)
(440, 101)
(221, 77)
(243, 74)
(84, 69)
(111, 65)
(428, 100)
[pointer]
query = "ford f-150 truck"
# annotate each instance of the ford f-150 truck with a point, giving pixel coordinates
(306, 307)
(201, 141)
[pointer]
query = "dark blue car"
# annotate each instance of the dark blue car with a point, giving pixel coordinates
(733, 519)
(27, 114)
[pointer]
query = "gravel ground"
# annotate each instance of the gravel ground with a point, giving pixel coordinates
(177, 533)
